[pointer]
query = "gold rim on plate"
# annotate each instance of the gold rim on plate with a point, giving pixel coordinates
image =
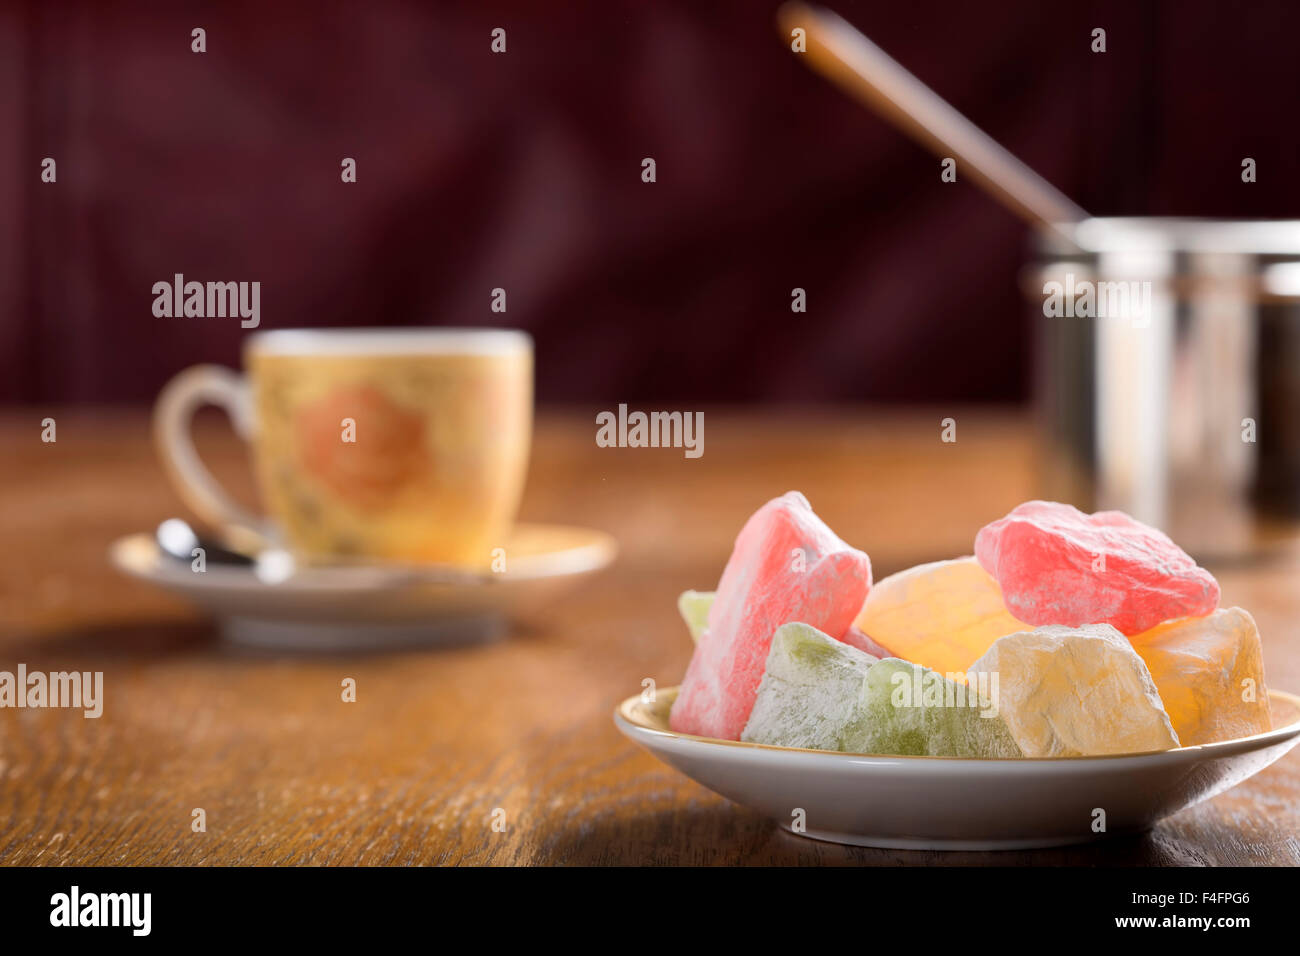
(653, 718)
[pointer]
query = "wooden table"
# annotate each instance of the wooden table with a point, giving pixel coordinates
(437, 741)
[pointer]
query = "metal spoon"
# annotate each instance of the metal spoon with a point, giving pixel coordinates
(274, 565)
(178, 540)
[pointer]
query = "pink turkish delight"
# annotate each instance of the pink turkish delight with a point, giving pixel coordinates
(787, 566)
(1057, 565)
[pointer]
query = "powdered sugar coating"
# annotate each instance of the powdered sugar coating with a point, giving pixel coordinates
(1057, 565)
(787, 565)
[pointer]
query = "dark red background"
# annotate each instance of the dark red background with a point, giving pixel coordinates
(523, 171)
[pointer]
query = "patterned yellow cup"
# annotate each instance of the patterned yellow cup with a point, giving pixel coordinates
(407, 445)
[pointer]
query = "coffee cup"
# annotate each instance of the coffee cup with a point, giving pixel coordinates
(390, 445)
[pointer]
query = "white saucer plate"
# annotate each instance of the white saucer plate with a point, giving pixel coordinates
(340, 607)
(953, 803)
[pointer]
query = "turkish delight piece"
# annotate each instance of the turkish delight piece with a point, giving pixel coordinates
(787, 565)
(863, 642)
(941, 615)
(694, 608)
(1210, 674)
(1057, 565)
(822, 694)
(810, 691)
(1072, 692)
(909, 709)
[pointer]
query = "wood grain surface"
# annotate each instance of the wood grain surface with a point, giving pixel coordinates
(412, 772)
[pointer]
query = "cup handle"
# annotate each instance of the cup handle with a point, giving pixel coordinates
(173, 416)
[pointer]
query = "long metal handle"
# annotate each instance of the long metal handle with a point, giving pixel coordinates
(841, 53)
